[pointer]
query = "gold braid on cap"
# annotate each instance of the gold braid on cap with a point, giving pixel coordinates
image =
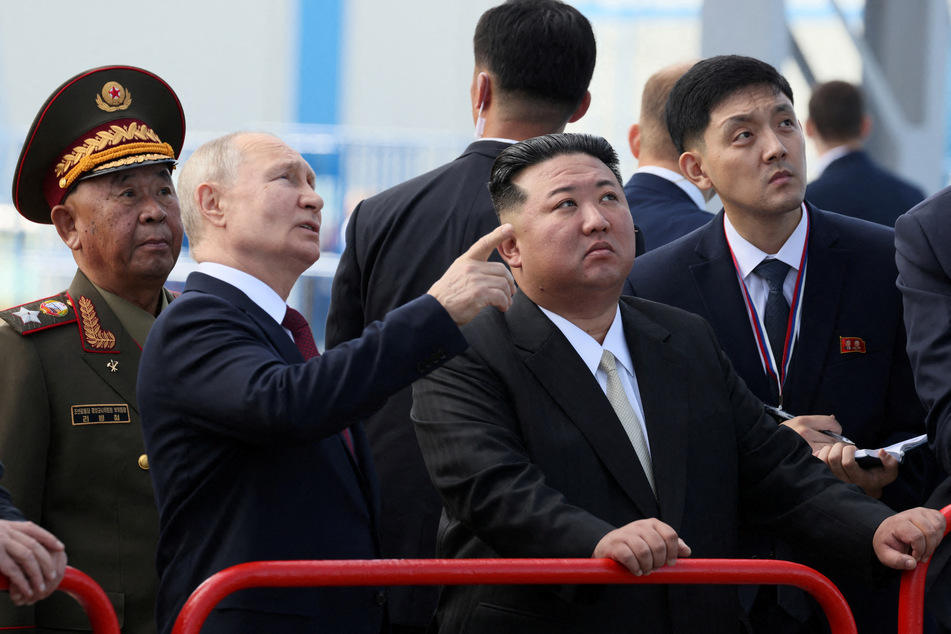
(109, 145)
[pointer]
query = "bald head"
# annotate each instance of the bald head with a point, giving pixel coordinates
(655, 144)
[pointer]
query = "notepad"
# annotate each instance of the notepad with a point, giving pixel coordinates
(897, 450)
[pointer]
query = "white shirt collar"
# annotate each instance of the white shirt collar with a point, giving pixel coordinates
(590, 350)
(256, 290)
(678, 179)
(748, 256)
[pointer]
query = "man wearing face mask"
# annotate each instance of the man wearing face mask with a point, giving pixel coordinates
(96, 164)
(533, 62)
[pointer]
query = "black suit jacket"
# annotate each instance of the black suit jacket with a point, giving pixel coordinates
(854, 185)
(661, 210)
(399, 243)
(849, 292)
(531, 461)
(247, 460)
(7, 509)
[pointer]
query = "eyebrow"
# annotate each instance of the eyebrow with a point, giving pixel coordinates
(296, 164)
(746, 117)
(607, 182)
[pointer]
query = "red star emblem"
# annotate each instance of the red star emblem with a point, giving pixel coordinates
(114, 92)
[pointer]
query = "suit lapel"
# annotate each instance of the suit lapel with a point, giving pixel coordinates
(107, 348)
(659, 378)
(825, 276)
(274, 333)
(715, 279)
(560, 371)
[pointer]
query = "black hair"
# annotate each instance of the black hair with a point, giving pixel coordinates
(708, 84)
(520, 156)
(539, 50)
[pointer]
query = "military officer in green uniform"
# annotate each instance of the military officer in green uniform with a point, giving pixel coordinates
(97, 165)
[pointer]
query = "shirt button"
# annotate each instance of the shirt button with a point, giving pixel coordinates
(144, 462)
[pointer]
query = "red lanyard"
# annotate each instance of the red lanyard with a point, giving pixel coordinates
(776, 370)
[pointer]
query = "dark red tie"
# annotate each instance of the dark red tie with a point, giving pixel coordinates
(304, 340)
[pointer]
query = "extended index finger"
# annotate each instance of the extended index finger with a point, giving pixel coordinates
(488, 243)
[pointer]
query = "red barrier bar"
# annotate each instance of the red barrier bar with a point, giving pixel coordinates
(395, 572)
(911, 595)
(90, 596)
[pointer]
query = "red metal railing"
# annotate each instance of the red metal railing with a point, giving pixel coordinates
(911, 596)
(87, 592)
(394, 572)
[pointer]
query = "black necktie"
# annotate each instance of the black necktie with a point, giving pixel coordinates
(776, 316)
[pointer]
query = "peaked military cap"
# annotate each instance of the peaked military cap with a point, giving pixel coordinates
(100, 121)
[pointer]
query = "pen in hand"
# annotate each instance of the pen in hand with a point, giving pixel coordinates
(838, 437)
(781, 415)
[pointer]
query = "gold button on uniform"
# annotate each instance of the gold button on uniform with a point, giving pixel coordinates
(144, 462)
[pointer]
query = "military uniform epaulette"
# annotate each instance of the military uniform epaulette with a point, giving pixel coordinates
(40, 314)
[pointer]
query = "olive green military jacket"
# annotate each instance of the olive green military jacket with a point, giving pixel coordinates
(71, 442)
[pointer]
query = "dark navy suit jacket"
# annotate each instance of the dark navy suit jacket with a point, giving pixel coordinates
(856, 186)
(246, 455)
(849, 292)
(661, 210)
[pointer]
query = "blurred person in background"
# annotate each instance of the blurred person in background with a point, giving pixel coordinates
(664, 203)
(849, 181)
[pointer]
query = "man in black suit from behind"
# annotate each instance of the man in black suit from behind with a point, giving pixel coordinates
(664, 203)
(849, 181)
(533, 62)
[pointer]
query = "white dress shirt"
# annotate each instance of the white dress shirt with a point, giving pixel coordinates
(590, 352)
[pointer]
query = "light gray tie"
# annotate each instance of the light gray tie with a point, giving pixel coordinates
(627, 415)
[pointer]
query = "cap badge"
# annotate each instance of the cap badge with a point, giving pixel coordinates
(114, 97)
(95, 335)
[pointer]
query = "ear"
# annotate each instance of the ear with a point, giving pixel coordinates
(511, 253)
(582, 108)
(63, 217)
(810, 129)
(866, 128)
(481, 91)
(634, 140)
(691, 166)
(208, 199)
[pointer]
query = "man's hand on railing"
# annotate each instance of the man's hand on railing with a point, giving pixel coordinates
(32, 559)
(904, 539)
(642, 546)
